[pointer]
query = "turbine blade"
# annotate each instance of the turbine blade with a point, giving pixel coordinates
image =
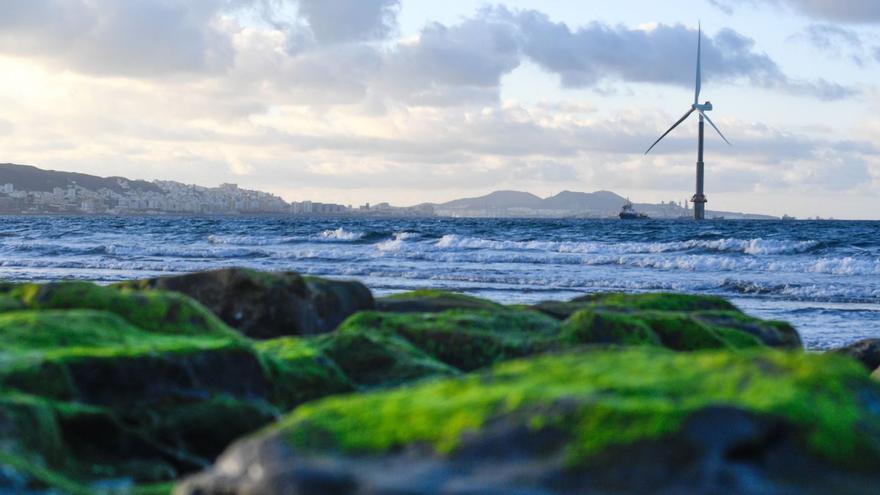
(689, 112)
(714, 127)
(699, 72)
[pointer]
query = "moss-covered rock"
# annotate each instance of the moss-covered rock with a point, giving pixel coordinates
(375, 359)
(772, 333)
(602, 327)
(131, 387)
(308, 372)
(680, 331)
(19, 475)
(626, 421)
(86, 395)
(683, 332)
(464, 339)
(614, 301)
(153, 311)
(432, 301)
(264, 305)
(866, 351)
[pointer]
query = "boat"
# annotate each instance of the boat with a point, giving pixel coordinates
(629, 213)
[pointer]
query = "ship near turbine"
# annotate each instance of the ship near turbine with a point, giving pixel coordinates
(699, 198)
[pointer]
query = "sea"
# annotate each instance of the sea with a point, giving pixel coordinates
(822, 276)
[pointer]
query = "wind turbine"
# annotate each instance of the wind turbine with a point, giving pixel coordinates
(699, 198)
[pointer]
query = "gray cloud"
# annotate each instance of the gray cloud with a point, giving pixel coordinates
(334, 21)
(839, 10)
(453, 65)
(135, 38)
(330, 58)
(831, 37)
(665, 54)
(854, 11)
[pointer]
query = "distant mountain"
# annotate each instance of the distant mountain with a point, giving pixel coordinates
(580, 201)
(518, 203)
(496, 200)
(28, 178)
(601, 204)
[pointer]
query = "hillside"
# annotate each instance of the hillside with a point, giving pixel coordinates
(579, 201)
(601, 204)
(29, 178)
(496, 200)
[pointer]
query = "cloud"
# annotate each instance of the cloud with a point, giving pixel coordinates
(662, 54)
(6, 127)
(322, 51)
(856, 11)
(456, 64)
(851, 11)
(831, 37)
(334, 21)
(132, 38)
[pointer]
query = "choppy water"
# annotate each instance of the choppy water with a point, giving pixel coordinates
(824, 277)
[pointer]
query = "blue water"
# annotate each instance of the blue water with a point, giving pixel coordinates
(824, 277)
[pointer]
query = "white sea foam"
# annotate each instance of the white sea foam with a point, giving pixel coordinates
(239, 240)
(340, 234)
(756, 246)
(397, 242)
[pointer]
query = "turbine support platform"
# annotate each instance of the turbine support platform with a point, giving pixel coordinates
(699, 198)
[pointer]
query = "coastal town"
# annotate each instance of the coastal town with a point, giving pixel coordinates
(29, 190)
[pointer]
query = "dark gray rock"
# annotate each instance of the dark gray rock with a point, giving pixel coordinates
(865, 351)
(432, 301)
(265, 305)
(719, 450)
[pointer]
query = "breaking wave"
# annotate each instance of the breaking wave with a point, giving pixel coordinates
(757, 246)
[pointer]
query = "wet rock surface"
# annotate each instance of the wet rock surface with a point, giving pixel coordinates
(135, 387)
(662, 437)
(265, 305)
(865, 351)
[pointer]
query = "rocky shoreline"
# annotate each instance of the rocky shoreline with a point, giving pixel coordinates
(242, 382)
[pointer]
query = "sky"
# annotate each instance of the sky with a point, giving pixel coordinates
(408, 101)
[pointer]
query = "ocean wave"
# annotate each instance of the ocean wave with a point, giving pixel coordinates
(664, 261)
(240, 240)
(756, 246)
(340, 234)
(172, 251)
(396, 243)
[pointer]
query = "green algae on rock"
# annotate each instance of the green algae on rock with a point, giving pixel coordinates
(866, 351)
(432, 301)
(602, 327)
(305, 372)
(374, 359)
(153, 311)
(131, 383)
(464, 339)
(733, 422)
(678, 331)
(653, 301)
(264, 305)
(649, 393)
(85, 395)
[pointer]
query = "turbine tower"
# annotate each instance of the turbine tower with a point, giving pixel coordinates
(699, 198)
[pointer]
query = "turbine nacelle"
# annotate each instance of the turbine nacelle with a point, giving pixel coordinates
(701, 109)
(705, 107)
